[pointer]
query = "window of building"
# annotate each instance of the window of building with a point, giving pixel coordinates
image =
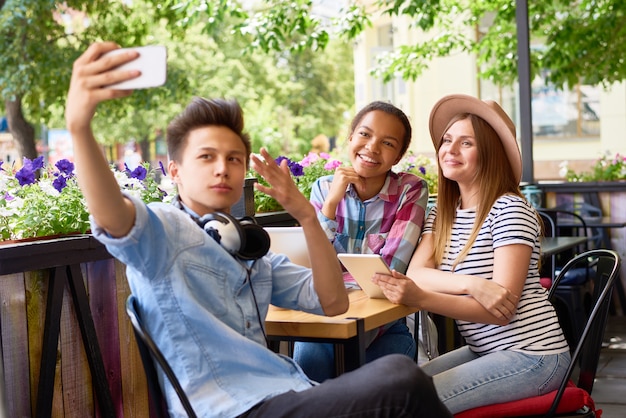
(380, 89)
(571, 113)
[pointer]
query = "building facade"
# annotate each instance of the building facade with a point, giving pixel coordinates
(577, 125)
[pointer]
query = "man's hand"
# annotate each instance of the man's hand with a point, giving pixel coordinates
(89, 75)
(327, 276)
(282, 187)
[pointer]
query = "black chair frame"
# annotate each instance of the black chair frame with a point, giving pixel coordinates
(149, 352)
(586, 353)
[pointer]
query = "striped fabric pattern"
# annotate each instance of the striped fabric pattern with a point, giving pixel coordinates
(535, 328)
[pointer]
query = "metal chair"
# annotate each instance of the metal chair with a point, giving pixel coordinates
(556, 228)
(548, 229)
(575, 289)
(149, 352)
(570, 400)
(582, 211)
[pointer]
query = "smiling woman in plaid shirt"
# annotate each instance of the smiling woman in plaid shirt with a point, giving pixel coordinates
(367, 208)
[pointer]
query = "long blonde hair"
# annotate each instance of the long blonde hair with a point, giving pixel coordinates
(494, 176)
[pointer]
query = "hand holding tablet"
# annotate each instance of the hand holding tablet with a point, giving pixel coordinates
(362, 267)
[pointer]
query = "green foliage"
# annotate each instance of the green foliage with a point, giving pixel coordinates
(304, 173)
(420, 165)
(606, 168)
(41, 215)
(42, 207)
(583, 39)
(288, 95)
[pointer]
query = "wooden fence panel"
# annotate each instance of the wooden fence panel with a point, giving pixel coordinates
(15, 345)
(134, 385)
(36, 284)
(23, 299)
(78, 400)
(102, 288)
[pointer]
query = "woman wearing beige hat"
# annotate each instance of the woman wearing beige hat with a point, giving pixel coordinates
(477, 262)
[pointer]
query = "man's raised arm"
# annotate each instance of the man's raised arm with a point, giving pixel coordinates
(90, 73)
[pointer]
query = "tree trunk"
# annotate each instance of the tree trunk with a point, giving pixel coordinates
(22, 131)
(144, 146)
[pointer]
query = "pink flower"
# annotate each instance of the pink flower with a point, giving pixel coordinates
(332, 165)
(309, 159)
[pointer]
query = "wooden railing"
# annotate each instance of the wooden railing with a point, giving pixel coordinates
(68, 349)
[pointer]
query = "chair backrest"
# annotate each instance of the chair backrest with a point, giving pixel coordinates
(586, 354)
(549, 223)
(548, 229)
(566, 215)
(149, 351)
(289, 240)
(579, 211)
(556, 217)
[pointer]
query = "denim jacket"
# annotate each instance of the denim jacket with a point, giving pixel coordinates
(198, 305)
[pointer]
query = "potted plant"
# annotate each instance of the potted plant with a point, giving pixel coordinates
(606, 168)
(39, 201)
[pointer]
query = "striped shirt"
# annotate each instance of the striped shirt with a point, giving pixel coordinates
(535, 327)
(388, 224)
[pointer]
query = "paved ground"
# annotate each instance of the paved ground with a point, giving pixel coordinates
(609, 390)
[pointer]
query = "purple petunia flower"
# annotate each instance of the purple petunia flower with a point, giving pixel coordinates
(280, 159)
(26, 174)
(1, 162)
(296, 169)
(59, 183)
(138, 173)
(422, 169)
(65, 166)
(36, 164)
(162, 167)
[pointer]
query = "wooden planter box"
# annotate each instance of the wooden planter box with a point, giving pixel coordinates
(28, 272)
(281, 218)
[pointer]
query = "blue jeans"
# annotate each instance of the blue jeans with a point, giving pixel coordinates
(465, 380)
(317, 360)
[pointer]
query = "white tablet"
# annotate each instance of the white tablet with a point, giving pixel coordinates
(362, 267)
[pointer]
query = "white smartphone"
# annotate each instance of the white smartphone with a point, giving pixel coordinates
(362, 267)
(152, 62)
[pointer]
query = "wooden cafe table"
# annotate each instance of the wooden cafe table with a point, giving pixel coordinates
(347, 331)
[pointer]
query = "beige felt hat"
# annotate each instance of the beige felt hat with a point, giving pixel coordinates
(490, 111)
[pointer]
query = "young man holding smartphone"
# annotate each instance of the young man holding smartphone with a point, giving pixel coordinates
(205, 306)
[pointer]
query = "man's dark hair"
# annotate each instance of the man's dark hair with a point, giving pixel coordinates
(205, 112)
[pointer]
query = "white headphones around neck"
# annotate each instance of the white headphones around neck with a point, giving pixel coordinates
(242, 238)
